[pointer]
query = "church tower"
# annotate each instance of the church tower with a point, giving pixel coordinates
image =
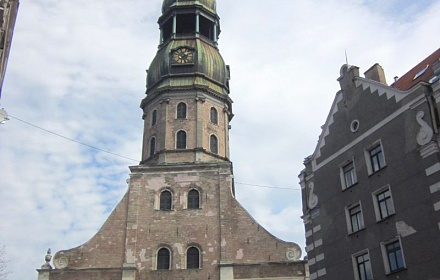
(187, 109)
(179, 218)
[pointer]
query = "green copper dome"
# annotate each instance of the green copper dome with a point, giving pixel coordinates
(209, 4)
(207, 70)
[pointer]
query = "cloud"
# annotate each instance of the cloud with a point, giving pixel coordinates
(77, 68)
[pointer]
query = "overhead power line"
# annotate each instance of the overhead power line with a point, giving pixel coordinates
(72, 140)
(124, 157)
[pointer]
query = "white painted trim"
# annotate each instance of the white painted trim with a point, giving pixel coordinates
(313, 276)
(309, 233)
(433, 169)
(362, 137)
(435, 188)
(437, 206)
(318, 243)
(317, 228)
(310, 248)
(311, 262)
(322, 272)
(320, 257)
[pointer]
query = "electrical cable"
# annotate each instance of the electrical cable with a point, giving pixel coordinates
(73, 140)
(124, 157)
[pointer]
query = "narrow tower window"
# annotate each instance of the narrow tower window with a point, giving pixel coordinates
(193, 199)
(163, 259)
(213, 142)
(206, 28)
(181, 140)
(192, 258)
(152, 146)
(166, 200)
(154, 118)
(181, 110)
(214, 115)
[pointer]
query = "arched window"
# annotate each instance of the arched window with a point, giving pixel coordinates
(152, 146)
(213, 144)
(181, 110)
(163, 259)
(181, 140)
(214, 115)
(154, 118)
(166, 200)
(192, 258)
(193, 199)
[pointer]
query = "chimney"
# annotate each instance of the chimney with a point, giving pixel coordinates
(376, 73)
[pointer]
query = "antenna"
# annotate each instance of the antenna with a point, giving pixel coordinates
(346, 57)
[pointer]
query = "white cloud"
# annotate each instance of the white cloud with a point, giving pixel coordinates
(77, 68)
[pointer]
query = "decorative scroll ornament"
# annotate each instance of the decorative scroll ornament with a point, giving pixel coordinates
(60, 263)
(293, 254)
(425, 133)
(313, 198)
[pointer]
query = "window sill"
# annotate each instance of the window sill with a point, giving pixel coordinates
(352, 186)
(386, 218)
(397, 271)
(355, 232)
(377, 171)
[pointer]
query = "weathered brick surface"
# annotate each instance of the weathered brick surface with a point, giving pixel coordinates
(221, 228)
(105, 249)
(108, 274)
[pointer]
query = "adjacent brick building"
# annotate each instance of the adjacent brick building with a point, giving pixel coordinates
(371, 189)
(179, 218)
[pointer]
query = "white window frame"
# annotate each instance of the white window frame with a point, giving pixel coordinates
(348, 217)
(354, 258)
(367, 153)
(342, 174)
(383, 247)
(377, 206)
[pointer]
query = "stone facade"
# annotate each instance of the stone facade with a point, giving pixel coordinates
(179, 219)
(370, 190)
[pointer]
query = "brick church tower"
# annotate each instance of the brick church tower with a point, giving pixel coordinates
(179, 218)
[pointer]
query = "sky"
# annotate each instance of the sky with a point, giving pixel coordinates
(77, 70)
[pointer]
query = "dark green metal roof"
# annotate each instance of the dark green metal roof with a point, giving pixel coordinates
(209, 69)
(209, 4)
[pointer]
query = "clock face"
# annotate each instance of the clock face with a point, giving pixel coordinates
(183, 55)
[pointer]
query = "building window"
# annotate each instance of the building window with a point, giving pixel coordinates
(166, 200)
(193, 199)
(375, 158)
(214, 115)
(355, 219)
(383, 203)
(213, 143)
(152, 146)
(192, 258)
(154, 118)
(393, 256)
(348, 175)
(181, 110)
(181, 140)
(163, 259)
(362, 266)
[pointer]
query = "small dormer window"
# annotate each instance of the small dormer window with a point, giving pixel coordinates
(423, 71)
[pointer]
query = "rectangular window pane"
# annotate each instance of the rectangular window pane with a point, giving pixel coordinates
(356, 219)
(377, 159)
(364, 267)
(349, 174)
(385, 202)
(395, 257)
